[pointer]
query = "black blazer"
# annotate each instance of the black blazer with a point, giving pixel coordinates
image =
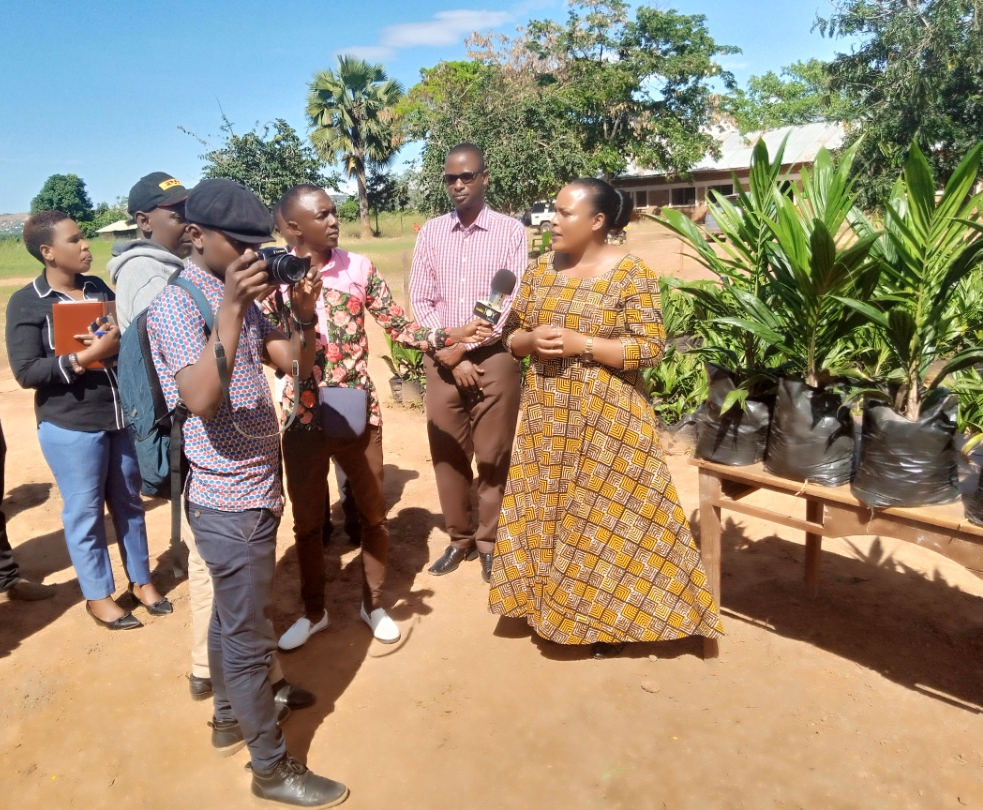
(88, 401)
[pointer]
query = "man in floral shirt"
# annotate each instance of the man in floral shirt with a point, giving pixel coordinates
(352, 287)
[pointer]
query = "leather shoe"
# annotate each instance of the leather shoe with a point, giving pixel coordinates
(603, 649)
(25, 591)
(451, 559)
(162, 607)
(291, 782)
(286, 694)
(486, 565)
(227, 736)
(201, 688)
(125, 622)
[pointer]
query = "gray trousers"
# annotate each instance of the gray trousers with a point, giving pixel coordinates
(239, 549)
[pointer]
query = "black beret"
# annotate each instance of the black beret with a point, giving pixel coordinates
(224, 205)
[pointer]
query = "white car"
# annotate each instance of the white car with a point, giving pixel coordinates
(540, 216)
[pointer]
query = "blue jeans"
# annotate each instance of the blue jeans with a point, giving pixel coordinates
(239, 549)
(95, 470)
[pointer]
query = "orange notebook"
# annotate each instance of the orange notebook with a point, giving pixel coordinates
(71, 318)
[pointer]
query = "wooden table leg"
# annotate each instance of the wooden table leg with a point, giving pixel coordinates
(710, 530)
(814, 546)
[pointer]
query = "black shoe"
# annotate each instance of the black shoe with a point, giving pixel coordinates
(354, 533)
(201, 688)
(227, 736)
(160, 608)
(291, 782)
(602, 649)
(486, 565)
(286, 694)
(451, 559)
(125, 622)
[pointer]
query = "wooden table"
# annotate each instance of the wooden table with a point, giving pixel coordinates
(829, 512)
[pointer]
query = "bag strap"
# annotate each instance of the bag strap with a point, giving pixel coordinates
(199, 298)
(177, 486)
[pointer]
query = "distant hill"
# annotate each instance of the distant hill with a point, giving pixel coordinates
(12, 224)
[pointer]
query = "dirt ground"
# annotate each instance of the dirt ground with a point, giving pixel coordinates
(867, 697)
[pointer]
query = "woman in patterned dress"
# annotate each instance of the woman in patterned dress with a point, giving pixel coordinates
(593, 546)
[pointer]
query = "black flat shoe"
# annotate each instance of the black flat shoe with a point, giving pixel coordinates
(451, 559)
(602, 649)
(200, 688)
(292, 783)
(486, 566)
(160, 608)
(286, 694)
(125, 622)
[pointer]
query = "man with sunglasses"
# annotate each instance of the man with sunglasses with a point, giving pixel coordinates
(472, 390)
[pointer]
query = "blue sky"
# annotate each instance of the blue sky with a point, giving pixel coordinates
(101, 88)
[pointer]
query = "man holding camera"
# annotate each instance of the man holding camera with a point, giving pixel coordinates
(352, 289)
(234, 495)
(472, 390)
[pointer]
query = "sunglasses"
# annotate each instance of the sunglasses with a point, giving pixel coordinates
(465, 177)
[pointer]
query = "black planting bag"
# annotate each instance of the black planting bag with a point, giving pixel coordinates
(974, 506)
(812, 436)
(906, 463)
(738, 437)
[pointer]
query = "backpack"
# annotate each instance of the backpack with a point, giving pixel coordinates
(156, 431)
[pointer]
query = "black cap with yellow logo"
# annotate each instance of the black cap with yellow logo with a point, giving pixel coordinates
(156, 190)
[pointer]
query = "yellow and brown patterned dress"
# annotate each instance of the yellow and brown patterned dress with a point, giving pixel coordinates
(593, 544)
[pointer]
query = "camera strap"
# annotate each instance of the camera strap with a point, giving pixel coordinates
(222, 365)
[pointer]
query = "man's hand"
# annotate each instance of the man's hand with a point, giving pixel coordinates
(246, 280)
(547, 341)
(451, 356)
(475, 331)
(304, 295)
(467, 376)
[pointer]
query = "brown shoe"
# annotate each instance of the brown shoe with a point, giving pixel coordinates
(25, 591)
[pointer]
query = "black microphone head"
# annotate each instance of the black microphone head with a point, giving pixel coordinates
(504, 282)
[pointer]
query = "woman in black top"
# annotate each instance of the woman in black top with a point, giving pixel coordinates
(80, 422)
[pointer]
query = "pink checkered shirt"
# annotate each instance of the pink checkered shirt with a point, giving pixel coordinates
(453, 268)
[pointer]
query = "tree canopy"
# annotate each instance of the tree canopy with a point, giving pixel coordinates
(352, 117)
(915, 73)
(561, 100)
(267, 161)
(799, 94)
(65, 193)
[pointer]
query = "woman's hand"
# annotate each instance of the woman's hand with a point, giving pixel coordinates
(474, 332)
(547, 341)
(101, 347)
(574, 343)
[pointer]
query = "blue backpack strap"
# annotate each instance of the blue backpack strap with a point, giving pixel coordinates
(199, 298)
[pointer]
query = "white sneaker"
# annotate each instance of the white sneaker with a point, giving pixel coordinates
(383, 628)
(300, 631)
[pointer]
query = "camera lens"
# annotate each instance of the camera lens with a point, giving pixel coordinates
(282, 267)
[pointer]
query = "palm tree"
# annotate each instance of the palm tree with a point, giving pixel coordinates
(352, 119)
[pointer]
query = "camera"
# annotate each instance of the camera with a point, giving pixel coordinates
(283, 267)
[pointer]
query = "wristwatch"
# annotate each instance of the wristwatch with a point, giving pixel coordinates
(587, 355)
(73, 361)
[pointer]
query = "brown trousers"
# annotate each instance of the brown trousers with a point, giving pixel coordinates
(462, 428)
(306, 458)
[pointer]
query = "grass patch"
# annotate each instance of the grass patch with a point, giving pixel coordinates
(16, 262)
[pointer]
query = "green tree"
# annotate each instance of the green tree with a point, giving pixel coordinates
(105, 214)
(353, 120)
(800, 94)
(636, 90)
(913, 73)
(65, 193)
(267, 161)
(522, 126)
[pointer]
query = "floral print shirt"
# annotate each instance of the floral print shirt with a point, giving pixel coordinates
(352, 287)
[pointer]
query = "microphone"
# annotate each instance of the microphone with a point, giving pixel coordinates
(502, 286)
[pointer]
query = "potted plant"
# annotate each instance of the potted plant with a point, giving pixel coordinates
(733, 422)
(818, 265)
(409, 376)
(921, 311)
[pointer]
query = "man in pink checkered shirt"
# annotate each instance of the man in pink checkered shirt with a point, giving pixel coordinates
(473, 390)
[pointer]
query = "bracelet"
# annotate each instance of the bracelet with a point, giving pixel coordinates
(73, 361)
(303, 324)
(507, 343)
